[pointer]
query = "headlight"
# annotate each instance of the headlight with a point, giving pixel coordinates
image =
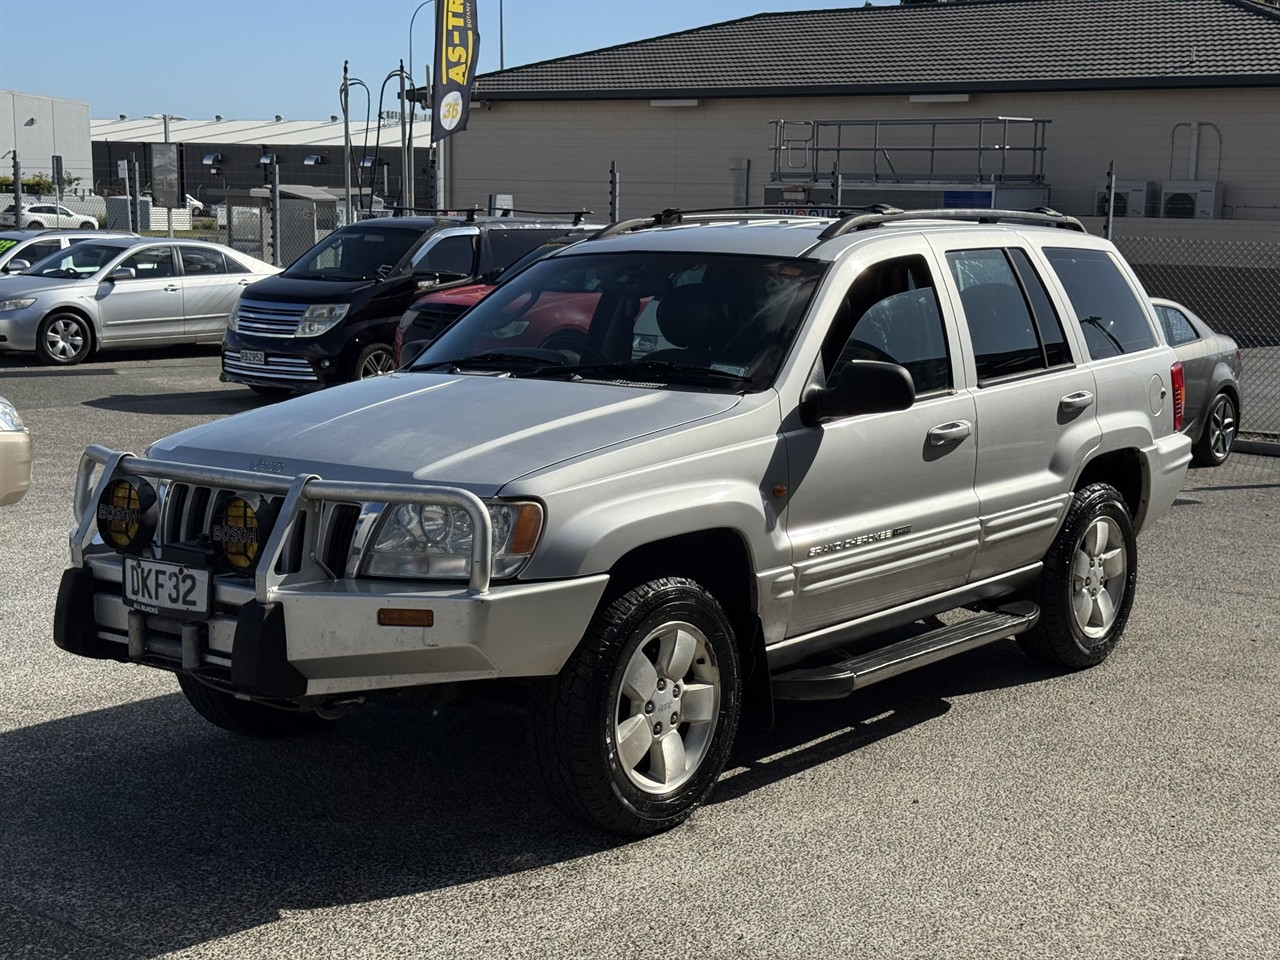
(127, 514)
(9, 419)
(233, 321)
(240, 529)
(429, 541)
(321, 317)
(16, 304)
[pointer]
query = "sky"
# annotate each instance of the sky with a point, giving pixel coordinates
(255, 59)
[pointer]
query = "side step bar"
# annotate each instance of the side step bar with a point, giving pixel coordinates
(832, 681)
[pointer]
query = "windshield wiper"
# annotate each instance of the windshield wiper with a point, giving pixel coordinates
(657, 371)
(1097, 324)
(494, 361)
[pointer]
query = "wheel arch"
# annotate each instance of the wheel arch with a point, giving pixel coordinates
(1126, 471)
(95, 335)
(719, 559)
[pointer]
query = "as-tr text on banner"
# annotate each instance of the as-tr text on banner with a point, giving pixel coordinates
(457, 50)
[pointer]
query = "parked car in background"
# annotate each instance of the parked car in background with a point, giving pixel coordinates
(1211, 366)
(19, 249)
(121, 292)
(331, 316)
(38, 216)
(15, 455)
(427, 317)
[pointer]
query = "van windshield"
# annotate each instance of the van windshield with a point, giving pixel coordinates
(357, 252)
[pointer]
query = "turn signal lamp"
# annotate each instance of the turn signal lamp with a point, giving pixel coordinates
(127, 514)
(240, 529)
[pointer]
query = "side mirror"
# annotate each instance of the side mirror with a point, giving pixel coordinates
(864, 386)
(122, 273)
(17, 266)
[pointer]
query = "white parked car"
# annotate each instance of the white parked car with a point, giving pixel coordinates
(37, 216)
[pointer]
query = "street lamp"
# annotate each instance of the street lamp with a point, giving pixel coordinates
(17, 173)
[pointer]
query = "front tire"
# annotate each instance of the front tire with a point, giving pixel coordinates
(632, 734)
(373, 361)
(64, 339)
(1219, 433)
(245, 717)
(1086, 589)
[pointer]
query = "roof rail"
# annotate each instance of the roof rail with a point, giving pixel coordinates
(673, 216)
(1043, 216)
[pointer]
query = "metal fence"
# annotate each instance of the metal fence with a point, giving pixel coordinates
(1234, 286)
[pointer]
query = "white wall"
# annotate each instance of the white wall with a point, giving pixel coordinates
(60, 127)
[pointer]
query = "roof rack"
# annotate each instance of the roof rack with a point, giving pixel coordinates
(1043, 216)
(674, 216)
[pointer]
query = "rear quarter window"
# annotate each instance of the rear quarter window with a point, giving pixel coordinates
(1110, 312)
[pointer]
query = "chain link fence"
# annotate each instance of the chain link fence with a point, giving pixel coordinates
(1234, 286)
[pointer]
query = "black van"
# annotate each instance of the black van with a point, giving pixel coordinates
(331, 316)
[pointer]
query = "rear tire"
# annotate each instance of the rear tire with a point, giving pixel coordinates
(1086, 589)
(245, 717)
(632, 734)
(1219, 433)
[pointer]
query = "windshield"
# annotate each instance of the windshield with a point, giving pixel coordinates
(355, 253)
(80, 260)
(685, 320)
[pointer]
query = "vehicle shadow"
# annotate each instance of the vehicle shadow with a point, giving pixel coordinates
(144, 830)
(202, 403)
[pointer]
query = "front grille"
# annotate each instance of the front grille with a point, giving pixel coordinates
(273, 368)
(188, 510)
(263, 318)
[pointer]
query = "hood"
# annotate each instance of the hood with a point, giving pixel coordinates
(476, 432)
(463, 296)
(289, 290)
(14, 285)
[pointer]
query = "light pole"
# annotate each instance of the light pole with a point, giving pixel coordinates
(409, 138)
(17, 173)
(344, 95)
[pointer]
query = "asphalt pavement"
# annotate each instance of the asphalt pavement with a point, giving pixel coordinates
(984, 807)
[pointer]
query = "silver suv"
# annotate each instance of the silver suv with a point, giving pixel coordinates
(659, 479)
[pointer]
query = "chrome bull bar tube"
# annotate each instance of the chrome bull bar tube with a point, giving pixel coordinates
(298, 492)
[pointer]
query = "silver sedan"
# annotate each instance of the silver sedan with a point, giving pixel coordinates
(123, 292)
(1211, 369)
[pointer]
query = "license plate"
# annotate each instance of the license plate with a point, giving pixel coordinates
(253, 356)
(170, 589)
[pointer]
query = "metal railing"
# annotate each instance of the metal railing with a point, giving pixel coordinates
(969, 149)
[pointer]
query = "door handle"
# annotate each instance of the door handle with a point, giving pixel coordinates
(172, 288)
(953, 432)
(1075, 401)
(245, 283)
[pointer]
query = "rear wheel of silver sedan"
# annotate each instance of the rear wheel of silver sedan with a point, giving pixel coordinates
(632, 734)
(64, 339)
(1219, 434)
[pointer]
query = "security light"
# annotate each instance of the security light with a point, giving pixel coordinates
(312, 159)
(211, 158)
(267, 159)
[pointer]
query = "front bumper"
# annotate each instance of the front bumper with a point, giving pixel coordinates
(18, 328)
(306, 634)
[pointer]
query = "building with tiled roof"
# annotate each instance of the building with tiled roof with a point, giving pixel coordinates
(1165, 91)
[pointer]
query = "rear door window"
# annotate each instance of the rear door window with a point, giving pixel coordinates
(1110, 314)
(1177, 328)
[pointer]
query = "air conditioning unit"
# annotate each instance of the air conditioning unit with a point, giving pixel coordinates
(1191, 199)
(1134, 198)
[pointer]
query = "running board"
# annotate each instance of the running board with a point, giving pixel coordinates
(837, 680)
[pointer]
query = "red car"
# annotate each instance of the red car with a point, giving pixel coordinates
(427, 317)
